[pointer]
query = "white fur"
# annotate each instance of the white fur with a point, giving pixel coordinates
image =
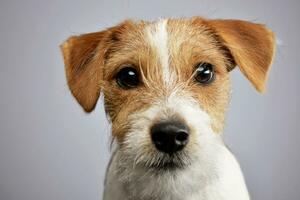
(203, 180)
(213, 172)
(157, 36)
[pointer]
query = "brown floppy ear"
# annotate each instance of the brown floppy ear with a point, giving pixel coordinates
(251, 46)
(82, 57)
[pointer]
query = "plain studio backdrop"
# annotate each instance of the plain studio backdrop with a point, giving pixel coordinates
(51, 150)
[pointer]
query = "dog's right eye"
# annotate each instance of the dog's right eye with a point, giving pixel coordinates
(127, 78)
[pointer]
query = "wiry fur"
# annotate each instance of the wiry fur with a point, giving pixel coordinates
(207, 170)
(166, 53)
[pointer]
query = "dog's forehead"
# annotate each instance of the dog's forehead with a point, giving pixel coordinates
(180, 44)
(167, 49)
(166, 42)
(175, 32)
(157, 37)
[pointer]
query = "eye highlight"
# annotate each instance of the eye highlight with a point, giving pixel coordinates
(204, 73)
(128, 78)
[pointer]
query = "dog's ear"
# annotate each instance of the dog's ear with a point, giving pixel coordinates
(251, 46)
(83, 62)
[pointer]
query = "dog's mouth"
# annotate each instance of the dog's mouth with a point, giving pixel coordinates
(169, 162)
(167, 166)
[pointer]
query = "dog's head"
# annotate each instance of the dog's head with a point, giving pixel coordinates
(166, 84)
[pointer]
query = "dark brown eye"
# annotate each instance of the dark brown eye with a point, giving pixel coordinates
(127, 78)
(204, 73)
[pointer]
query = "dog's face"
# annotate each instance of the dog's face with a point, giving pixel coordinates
(166, 84)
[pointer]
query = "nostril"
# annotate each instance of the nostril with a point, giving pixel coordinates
(182, 136)
(158, 138)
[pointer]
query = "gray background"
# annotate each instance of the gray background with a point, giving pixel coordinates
(51, 150)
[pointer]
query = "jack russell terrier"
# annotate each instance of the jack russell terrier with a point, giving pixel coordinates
(166, 88)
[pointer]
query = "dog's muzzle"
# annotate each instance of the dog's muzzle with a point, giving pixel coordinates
(170, 136)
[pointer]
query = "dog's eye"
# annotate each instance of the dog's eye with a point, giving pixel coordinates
(127, 78)
(204, 73)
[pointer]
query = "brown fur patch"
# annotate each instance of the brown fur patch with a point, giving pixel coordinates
(251, 45)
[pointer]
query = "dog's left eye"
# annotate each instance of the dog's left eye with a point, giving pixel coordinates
(127, 78)
(204, 73)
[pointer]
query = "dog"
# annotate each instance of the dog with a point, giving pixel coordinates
(166, 87)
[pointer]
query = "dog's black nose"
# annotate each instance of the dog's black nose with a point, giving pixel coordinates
(169, 136)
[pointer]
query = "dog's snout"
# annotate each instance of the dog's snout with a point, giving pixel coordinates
(169, 136)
